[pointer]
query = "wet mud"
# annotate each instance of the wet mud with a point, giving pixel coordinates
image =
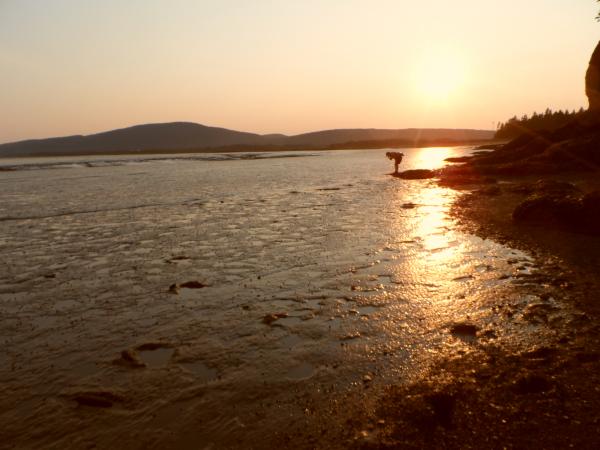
(306, 289)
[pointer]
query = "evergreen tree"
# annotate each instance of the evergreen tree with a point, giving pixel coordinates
(536, 123)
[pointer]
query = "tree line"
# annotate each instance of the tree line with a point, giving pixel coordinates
(547, 121)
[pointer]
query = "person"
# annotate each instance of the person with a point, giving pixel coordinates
(397, 157)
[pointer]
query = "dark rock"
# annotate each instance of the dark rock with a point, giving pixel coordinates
(532, 384)
(458, 179)
(591, 210)
(522, 188)
(129, 358)
(180, 258)
(592, 81)
(488, 147)
(192, 285)
(541, 353)
(538, 312)
(561, 206)
(464, 329)
(100, 399)
(548, 210)
(270, 318)
(409, 205)
(458, 159)
(443, 407)
(416, 174)
(587, 357)
(490, 191)
(555, 187)
(149, 346)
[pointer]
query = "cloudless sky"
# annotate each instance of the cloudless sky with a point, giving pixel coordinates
(271, 66)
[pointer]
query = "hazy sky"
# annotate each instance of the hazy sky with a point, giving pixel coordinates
(81, 66)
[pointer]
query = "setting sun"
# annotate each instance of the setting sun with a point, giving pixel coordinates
(440, 75)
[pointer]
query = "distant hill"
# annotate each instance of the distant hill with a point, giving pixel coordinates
(187, 137)
(411, 135)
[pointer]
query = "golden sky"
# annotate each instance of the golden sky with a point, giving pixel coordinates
(279, 66)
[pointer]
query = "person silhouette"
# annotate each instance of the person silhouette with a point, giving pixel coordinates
(397, 157)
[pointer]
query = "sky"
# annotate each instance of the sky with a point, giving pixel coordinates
(277, 66)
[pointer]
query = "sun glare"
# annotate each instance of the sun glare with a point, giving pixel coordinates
(432, 157)
(440, 75)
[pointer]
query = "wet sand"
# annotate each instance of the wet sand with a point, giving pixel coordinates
(304, 302)
(499, 396)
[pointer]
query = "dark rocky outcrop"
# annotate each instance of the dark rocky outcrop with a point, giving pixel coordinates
(562, 209)
(592, 81)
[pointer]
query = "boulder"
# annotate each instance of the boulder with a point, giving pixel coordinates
(591, 211)
(548, 210)
(562, 209)
(553, 187)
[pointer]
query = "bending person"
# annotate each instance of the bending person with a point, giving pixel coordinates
(397, 157)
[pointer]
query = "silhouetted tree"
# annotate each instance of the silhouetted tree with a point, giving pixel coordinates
(536, 123)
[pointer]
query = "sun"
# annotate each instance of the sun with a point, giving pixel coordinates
(440, 75)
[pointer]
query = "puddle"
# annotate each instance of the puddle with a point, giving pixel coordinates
(290, 320)
(202, 372)
(173, 411)
(159, 357)
(86, 369)
(367, 310)
(290, 341)
(301, 372)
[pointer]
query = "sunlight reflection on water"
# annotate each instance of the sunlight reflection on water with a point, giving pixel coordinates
(433, 157)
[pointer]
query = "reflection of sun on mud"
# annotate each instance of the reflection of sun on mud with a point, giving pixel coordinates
(433, 228)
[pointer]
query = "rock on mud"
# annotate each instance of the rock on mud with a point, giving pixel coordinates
(192, 285)
(174, 288)
(561, 206)
(464, 329)
(416, 174)
(150, 346)
(532, 383)
(270, 318)
(97, 399)
(129, 358)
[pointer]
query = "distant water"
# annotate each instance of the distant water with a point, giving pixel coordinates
(364, 273)
(73, 162)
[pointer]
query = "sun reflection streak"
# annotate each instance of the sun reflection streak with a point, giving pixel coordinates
(433, 223)
(433, 228)
(432, 157)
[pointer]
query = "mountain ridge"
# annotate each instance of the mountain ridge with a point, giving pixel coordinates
(190, 136)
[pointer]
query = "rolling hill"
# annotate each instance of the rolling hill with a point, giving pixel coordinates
(187, 137)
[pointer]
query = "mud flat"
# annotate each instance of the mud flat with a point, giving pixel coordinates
(315, 302)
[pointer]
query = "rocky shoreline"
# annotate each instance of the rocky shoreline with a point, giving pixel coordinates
(498, 396)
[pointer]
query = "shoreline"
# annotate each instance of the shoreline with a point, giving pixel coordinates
(262, 149)
(494, 396)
